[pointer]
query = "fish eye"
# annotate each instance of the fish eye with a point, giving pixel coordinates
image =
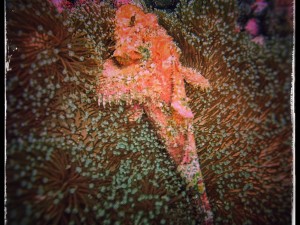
(132, 21)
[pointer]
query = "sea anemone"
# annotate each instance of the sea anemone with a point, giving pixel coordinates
(44, 56)
(247, 108)
(70, 161)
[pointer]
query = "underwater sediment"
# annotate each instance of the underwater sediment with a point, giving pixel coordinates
(71, 161)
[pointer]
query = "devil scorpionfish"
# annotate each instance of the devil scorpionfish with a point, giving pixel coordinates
(145, 69)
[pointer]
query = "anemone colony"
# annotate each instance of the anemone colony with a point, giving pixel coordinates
(70, 161)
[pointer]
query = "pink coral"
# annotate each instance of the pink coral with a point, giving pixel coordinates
(260, 40)
(61, 4)
(252, 27)
(58, 4)
(259, 6)
(145, 68)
